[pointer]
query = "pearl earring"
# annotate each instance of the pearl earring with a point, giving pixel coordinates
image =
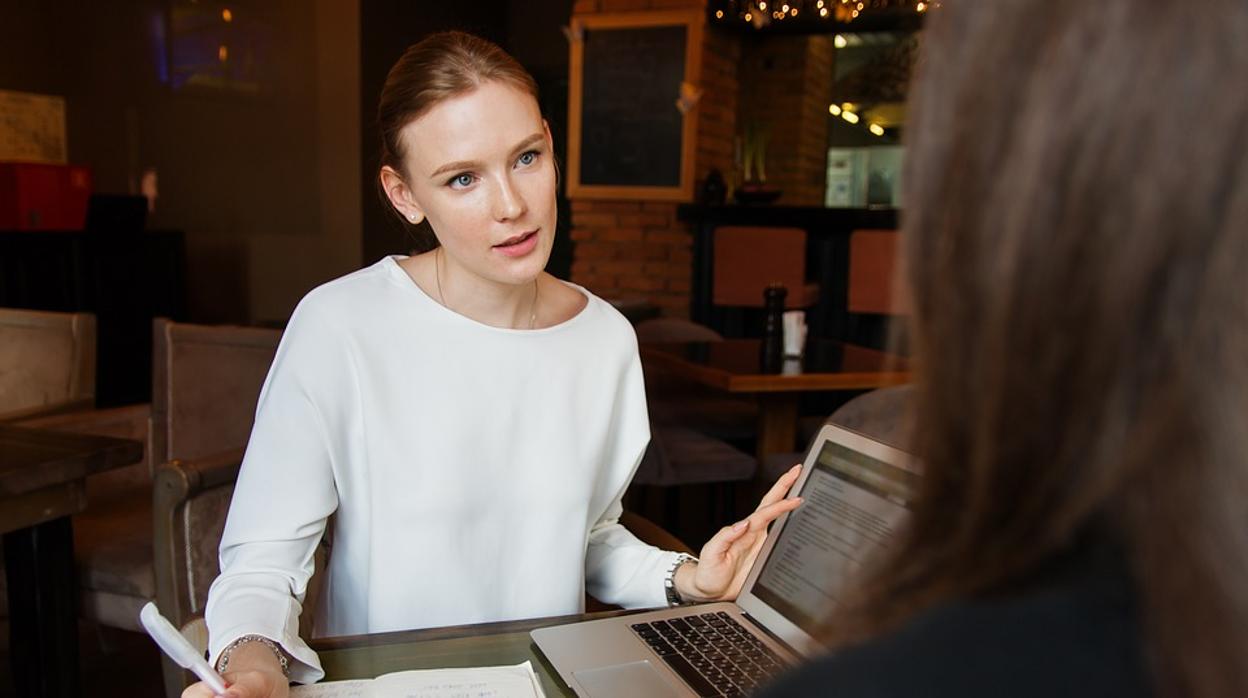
(412, 218)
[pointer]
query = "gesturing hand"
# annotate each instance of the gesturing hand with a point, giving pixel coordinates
(726, 558)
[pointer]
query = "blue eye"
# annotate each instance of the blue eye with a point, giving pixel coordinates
(528, 157)
(460, 181)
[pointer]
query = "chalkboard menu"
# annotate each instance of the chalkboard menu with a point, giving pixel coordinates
(627, 137)
(631, 128)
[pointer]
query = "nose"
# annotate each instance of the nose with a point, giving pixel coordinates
(508, 201)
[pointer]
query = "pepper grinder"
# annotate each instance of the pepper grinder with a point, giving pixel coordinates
(771, 357)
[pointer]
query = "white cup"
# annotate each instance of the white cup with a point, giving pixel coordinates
(794, 323)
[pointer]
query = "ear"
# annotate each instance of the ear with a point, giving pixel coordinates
(400, 195)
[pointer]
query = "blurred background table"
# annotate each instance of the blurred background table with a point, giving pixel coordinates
(734, 366)
(42, 483)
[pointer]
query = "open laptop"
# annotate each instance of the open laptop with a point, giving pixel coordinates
(855, 492)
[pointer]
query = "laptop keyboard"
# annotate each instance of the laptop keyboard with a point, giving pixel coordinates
(711, 652)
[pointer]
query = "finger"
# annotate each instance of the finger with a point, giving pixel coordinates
(721, 542)
(765, 515)
(782, 486)
(758, 522)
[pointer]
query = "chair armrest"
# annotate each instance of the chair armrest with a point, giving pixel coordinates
(175, 483)
(179, 480)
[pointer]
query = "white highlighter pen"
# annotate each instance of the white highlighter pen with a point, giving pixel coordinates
(178, 649)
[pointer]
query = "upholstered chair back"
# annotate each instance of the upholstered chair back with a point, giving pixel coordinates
(205, 384)
(47, 362)
(747, 259)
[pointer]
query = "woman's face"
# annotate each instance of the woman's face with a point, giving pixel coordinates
(481, 168)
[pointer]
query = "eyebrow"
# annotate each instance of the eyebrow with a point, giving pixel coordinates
(470, 164)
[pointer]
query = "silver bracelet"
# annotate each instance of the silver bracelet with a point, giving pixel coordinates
(669, 582)
(224, 660)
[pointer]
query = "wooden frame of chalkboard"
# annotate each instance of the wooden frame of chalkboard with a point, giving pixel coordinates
(626, 137)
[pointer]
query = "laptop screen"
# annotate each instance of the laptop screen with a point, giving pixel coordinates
(853, 503)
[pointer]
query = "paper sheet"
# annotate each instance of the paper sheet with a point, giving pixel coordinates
(517, 681)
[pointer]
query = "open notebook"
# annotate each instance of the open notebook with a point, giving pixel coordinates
(517, 681)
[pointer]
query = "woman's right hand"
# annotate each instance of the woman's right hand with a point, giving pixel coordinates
(245, 684)
(256, 674)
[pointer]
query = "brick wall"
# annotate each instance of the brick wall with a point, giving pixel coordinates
(790, 81)
(638, 248)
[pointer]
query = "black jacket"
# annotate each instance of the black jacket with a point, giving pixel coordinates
(1072, 632)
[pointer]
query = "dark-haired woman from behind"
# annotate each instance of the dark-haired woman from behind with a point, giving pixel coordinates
(1077, 235)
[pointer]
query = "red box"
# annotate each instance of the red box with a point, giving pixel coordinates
(36, 196)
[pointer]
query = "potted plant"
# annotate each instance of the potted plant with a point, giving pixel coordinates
(752, 149)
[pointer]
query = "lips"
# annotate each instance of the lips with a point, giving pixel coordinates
(518, 246)
(517, 239)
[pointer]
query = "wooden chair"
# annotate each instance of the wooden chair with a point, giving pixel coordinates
(747, 259)
(47, 363)
(877, 298)
(206, 380)
(205, 386)
(876, 283)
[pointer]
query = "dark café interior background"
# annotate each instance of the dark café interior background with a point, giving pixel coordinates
(210, 162)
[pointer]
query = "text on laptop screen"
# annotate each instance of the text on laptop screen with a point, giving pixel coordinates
(853, 503)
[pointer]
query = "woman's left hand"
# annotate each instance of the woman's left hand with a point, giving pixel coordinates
(726, 558)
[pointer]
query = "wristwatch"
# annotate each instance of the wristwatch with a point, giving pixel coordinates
(669, 582)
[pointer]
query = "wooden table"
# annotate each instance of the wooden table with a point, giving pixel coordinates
(490, 644)
(735, 366)
(42, 483)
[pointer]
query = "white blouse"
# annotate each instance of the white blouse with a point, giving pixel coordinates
(475, 472)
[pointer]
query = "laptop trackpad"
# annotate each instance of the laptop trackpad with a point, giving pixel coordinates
(625, 681)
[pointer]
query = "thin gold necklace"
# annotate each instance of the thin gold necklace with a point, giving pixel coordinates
(437, 272)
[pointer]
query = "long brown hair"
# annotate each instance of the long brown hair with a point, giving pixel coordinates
(437, 68)
(1076, 227)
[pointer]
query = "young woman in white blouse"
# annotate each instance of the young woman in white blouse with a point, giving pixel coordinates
(471, 421)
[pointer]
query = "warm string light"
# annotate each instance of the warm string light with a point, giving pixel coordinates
(761, 12)
(846, 112)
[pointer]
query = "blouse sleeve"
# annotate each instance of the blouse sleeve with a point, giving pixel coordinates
(619, 568)
(284, 495)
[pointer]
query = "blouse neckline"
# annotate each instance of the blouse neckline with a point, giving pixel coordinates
(401, 277)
